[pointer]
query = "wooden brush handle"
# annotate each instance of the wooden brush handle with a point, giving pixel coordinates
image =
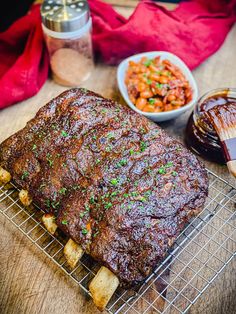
(232, 167)
(229, 149)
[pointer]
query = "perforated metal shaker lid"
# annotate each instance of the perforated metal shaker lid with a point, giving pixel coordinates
(64, 15)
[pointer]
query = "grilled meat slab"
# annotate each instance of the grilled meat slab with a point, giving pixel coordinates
(116, 182)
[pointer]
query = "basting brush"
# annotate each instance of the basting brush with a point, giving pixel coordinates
(223, 119)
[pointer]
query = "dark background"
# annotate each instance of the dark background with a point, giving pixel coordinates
(14, 9)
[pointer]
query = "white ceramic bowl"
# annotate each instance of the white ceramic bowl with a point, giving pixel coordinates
(160, 116)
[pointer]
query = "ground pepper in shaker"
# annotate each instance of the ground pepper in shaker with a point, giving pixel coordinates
(67, 29)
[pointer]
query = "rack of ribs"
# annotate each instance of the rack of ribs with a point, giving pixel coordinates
(115, 182)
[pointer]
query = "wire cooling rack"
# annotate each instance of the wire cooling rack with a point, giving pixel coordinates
(199, 255)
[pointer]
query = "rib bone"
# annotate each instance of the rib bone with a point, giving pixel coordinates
(73, 252)
(5, 176)
(49, 223)
(25, 198)
(102, 287)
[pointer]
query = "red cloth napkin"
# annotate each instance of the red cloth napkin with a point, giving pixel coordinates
(193, 31)
(24, 60)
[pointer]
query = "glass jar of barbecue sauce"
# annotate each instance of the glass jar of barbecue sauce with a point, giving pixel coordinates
(200, 135)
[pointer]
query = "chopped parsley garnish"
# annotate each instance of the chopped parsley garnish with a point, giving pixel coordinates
(84, 231)
(63, 191)
(143, 146)
(124, 123)
(82, 214)
(147, 193)
(169, 164)
(158, 85)
(94, 137)
(162, 170)
(103, 110)
(55, 204)
(108, 205)
(54, 126)
(131, 152)
(50, 162)
(174, 173)
(64, 133)
(110, 135)
(75, 187)
(136, 183)
(41, 134)
(64, 222)
(148, 63)
(95, 234)
(25, 175)
(126, 195)
(151, 101)
(47, 203)
(113, 194)
(142, 130)
(87, 208)
(114, 181)
(34, 147)
(149, 82)
(92, 200)
(142, 199)
(122, 163)
(134, 193)
(108, 148)
(98, 161)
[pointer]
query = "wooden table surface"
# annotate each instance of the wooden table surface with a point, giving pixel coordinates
(29, 281)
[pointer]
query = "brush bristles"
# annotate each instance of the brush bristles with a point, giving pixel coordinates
(227, 133)
(223, 119)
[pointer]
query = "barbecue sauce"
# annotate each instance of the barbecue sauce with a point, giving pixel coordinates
(200, 135)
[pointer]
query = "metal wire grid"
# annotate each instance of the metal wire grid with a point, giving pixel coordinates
(199, 255)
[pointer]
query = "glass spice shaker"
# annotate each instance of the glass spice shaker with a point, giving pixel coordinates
(67, 29)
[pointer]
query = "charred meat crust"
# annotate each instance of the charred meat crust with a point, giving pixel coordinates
(117, 183)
